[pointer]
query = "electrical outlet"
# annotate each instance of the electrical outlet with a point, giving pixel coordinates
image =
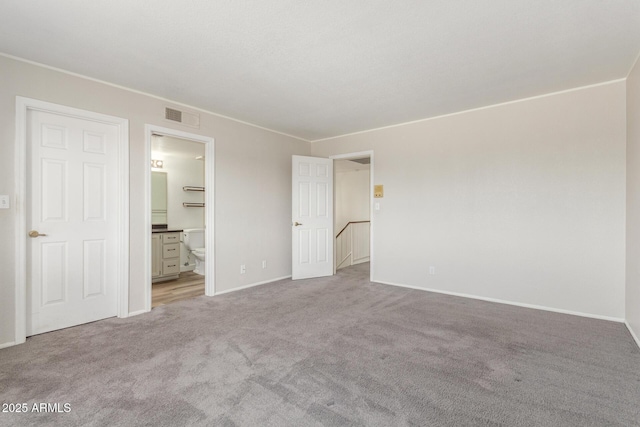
(432, 270)
(264, 263)
(243, 269)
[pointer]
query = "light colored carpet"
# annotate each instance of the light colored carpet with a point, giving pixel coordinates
(336, 351)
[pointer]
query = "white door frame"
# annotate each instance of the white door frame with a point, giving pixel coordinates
(358, 155)
(23, 105)
(209, 274)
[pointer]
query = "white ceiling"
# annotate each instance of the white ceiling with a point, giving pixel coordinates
(326, 68)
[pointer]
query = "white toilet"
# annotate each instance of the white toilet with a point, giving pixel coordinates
(193, 239)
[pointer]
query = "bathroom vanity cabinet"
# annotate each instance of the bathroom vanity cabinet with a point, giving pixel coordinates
(165, 261)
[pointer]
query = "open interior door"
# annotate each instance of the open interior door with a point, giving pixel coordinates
(312, 217)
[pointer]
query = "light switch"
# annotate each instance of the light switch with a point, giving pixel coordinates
(376, 206)
(4, 201)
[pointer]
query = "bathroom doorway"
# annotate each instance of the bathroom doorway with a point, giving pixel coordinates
(180, 206)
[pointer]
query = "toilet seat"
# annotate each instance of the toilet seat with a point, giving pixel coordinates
(199, 252)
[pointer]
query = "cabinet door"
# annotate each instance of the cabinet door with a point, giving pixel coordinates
(156, 255)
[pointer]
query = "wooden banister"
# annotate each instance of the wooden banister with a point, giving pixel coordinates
(350, 222)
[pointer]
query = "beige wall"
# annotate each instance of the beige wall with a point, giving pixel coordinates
(633, 201)
(521, 202)
(252, 173)
(351, 198)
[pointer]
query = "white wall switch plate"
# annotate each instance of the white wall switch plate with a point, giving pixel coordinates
(376, 206)
(243, 269)
(4, 201)
(264, 263)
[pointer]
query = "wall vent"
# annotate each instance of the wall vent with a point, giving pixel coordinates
(171, 114)
(189, 119)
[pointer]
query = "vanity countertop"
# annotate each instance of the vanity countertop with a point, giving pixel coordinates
(166, 230)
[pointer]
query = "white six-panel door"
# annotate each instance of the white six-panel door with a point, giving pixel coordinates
(312, 217)
(73, 193)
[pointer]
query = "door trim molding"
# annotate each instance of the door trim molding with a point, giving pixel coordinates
(358, 155)
(209, 208)
(23, 105)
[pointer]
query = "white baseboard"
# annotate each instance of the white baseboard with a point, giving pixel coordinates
(136, 313)
(500, 301)
(633, 334)
(360, 261)
(7, 344)
(252, 285)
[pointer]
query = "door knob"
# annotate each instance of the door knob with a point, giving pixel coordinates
(295, 224)
(34, 233)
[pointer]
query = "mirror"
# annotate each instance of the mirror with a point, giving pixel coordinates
(158, 198)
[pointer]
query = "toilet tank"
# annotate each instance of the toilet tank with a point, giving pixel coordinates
(193, 238)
